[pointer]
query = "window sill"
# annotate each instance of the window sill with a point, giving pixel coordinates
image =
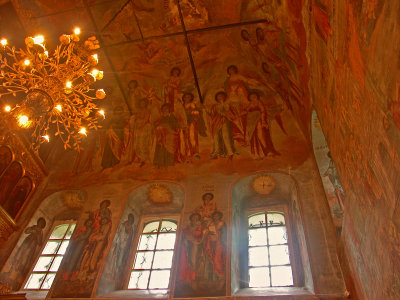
(124, 294)
(273, 291)
(29, 294)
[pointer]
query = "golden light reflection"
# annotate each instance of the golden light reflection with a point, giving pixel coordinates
(83, 131)
(39, 39)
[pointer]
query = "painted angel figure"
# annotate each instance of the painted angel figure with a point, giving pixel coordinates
(221, 118)
(236, 88)
(195, 126)
(258, 129)
(172, 88)
(166, 132)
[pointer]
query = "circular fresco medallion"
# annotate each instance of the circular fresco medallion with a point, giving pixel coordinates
(264, 184)
(159, 193)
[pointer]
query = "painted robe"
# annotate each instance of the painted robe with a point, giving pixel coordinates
(195, 127)
(221, 118)
(166, 134)
(258, 133)
(215, 250)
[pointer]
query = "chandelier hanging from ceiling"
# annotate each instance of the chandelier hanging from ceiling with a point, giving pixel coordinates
(51, 94)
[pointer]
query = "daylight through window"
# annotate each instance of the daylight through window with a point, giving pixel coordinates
(153, 261)
(269, 260)
(49, 261)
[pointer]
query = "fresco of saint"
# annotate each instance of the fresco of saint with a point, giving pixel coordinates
(195, 126)
(85, 254)
(140, 124)
(166, 135)
(203, 252)
(27, 253)
(220, 124)
(114, 146)
(258, 132)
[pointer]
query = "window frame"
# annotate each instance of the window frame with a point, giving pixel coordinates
(45, 241)
(282, 209)
(143, 221)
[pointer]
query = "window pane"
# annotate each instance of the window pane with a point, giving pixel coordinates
(143, 260)
(259, 277)
(281, 276)
(70, 231)
(43, 263)
(34, 281)
(139, 280)
(279, 255)
(48, 281)
(163, 259)
(151, 227)
(51, 247)
(159, 279)
(147, 242)
(168, 226)
(56, 264)
(257, 220)
(166, 241)
(258, 256)
(63, 248)
(275, 219)
(257, 237)
(59, 232)
(277, 235)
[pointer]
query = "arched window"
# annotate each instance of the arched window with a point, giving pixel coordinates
(153, 260)
(45, 269)
(269, 262)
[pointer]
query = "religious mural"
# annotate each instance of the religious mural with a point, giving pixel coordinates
(15, 187)
(350, 60)
(147, 199)
(85, 252)
(330, 178)
(202, 265)
(25, 256)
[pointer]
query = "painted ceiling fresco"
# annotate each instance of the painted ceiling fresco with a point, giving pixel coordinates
(190, 82)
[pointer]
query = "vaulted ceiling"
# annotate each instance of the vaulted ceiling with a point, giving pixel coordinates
(143, 40)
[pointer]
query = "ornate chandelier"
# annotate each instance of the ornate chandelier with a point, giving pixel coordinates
(51, 94)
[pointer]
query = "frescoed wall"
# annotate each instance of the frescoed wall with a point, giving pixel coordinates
(355, 91)
(203, 97)
(327, 169)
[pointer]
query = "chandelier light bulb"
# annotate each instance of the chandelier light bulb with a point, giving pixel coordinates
(7, 108)
(68, 84)
(27, 62)
(3, 42)
(101, 112)
(39, 39)
(77, 30)
(58, 107)
(94, 59)
(95, 72)
(83, 131)
(46, 137)
(23, 120)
